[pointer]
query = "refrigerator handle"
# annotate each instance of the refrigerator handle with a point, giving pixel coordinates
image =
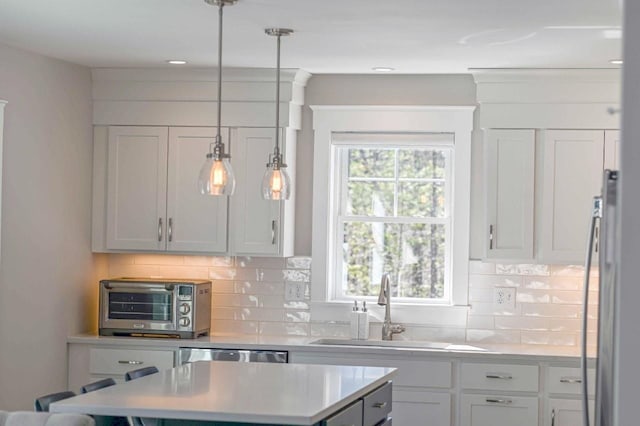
(596, 214)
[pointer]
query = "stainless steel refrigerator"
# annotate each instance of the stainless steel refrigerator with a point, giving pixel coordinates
(602, 242)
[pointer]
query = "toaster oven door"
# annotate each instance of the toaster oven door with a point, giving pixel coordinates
(138, 306)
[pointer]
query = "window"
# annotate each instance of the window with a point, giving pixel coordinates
(392, 214)
(391, 193)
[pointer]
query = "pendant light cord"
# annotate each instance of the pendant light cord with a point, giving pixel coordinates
(277, 149)
(219, 135)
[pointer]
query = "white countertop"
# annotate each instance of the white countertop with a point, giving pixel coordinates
(286, 343)
(237, 392)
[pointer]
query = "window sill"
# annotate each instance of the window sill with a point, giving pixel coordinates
(433, 315)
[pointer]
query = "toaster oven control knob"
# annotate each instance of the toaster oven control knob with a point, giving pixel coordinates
(184, 322)
(185, 308)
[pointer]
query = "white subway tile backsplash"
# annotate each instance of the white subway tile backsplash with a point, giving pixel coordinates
(533, 296)
(286, 328)
(330, 329)
(224, 261)
(248, 297)
(479, 267)
(491, 281)
(549, 310)
(547, 338)
(256, 287)
(260, 262)
(298, 262)
(522, 269)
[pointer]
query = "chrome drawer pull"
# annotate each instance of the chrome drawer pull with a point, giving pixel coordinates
(499, 401)
(499, 376)
(570, 380)
(379, 404)
(131, 362)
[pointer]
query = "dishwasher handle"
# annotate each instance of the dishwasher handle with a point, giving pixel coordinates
(187, 355)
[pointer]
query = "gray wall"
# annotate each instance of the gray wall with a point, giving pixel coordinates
(46, 272)
(328, 89)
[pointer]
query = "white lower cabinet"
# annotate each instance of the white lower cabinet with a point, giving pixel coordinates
(421, 386)
(419, 408)
(566, 412)
(503, 410)
(88, 363)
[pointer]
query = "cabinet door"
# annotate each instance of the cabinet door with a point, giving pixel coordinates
(566, 412)
(484, 410)
(137, 188)
(573, 166)
(419, 408)
(612, 149)
(510, 194)
(195, 222)
(255, 222)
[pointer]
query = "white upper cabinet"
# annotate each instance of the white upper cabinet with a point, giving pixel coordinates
(573, 165)
(195, 222)
(612, 149)
(510, 164)
(255, 221)
(136, 188)
(153, 202)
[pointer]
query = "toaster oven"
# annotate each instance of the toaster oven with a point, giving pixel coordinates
(155, 308)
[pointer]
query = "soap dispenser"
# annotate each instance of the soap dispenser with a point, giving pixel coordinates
(363, 322)
(355, 318)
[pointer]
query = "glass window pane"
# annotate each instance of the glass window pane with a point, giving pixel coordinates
(421, 163)
(417, 199)
(413, 254)
(371, 163)
(370, 199)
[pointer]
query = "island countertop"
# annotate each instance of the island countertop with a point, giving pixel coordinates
(295, 394)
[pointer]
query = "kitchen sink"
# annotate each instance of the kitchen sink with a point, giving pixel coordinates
(397, 344)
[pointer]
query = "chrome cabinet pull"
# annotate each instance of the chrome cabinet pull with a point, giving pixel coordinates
(160, 229)
(379, 404)
(570, 380)
(170, 230)
(499, 401)
(553, 417)
(490, 237)
(499, 376)
(273, 232)
(131, 362)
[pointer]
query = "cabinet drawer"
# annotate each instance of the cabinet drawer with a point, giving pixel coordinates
(377, 405)
(119, 361)
(492, 410)
(568, 380)
(350, 416)
(500, 377)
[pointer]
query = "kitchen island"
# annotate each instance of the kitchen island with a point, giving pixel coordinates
(241, 393)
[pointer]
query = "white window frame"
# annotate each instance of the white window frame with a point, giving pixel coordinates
(340, 199)
(329, 120)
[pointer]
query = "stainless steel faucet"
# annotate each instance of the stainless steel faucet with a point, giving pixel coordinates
(384, 299)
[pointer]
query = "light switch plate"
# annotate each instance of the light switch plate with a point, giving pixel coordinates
(294, 291)
(504, 297)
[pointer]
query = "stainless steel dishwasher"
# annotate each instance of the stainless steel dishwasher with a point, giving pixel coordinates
(186, 355)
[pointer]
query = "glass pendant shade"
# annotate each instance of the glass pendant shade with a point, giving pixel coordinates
(276, 184)
(216, 177)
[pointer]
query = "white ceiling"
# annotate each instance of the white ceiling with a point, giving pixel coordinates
(332, 36)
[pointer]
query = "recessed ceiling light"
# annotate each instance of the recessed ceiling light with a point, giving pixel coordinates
(383, 69)
(616, 61)
(176, 62)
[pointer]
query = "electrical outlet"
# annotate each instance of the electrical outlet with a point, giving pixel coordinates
(505, 297)
(294, 291)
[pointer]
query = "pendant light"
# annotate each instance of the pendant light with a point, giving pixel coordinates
(276, 184)
(216, 175)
